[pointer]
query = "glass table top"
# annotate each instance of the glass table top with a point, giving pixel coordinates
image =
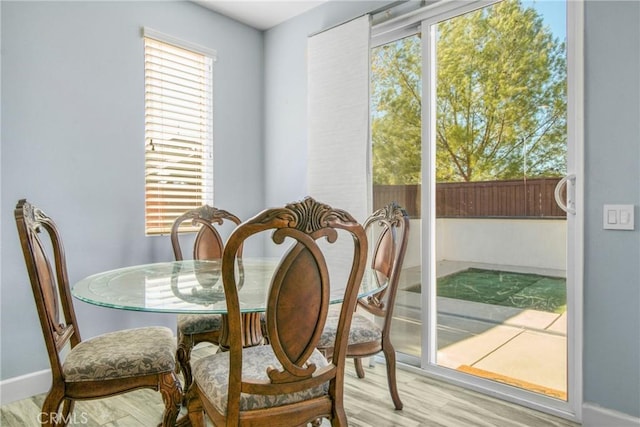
(189, 287)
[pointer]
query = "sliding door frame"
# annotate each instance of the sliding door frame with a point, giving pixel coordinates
(421, 21)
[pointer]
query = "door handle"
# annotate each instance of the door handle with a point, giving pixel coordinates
(570, 206)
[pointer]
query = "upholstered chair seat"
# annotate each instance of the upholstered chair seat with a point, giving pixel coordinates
(122, 354)
(212, 373)
(199, 323)
(363, 330)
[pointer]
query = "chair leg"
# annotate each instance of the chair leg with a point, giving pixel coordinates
(390, 357)
(195, 411)
(263, 328)
(183, 356)
(358, 364)
(49, 416)
(339, 418)
(67, 408)
(180, 338)
(169, 387)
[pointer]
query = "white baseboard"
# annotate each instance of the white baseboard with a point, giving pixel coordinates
(24, 386)
(597, 416)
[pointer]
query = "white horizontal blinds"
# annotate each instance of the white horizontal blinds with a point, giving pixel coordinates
(178, 132)
(338, 116)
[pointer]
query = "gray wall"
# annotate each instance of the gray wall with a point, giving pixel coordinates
(73, 143)
(612, 165)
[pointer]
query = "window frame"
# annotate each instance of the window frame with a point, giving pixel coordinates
(178, 129)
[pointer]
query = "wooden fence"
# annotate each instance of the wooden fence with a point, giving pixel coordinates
(532, 198)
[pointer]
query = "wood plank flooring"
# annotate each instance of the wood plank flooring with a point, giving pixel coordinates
(427, 403)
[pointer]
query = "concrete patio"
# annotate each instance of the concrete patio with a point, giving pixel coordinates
(523, 347)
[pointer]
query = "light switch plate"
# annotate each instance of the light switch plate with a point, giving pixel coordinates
(618, 217)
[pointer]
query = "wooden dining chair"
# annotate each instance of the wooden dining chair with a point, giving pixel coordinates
(193, 329)
(103, 366)
(287, 382)
(368, 336)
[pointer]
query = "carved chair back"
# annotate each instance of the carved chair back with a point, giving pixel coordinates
(50, 286)
(208, 243)
(391, 225)
(298, 299)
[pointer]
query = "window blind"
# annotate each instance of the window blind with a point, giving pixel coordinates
(178, 132)
(338, 138)
(338, 111)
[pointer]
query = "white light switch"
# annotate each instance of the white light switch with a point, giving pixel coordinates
(624, 217)
(618, 217)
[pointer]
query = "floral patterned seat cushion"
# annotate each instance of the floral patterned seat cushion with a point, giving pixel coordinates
(212, 375)
(362, 329)
(122, 354)
(195, 323)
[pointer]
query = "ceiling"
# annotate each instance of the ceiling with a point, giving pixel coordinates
(260, 14)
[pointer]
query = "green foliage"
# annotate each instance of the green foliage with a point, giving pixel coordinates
(396, 126)
(501, 100)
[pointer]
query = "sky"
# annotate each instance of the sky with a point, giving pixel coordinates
(554, 13)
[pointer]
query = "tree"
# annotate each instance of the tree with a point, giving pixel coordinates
(501, 100)
(396, 123)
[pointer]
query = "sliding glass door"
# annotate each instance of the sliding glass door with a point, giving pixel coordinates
(500, 138)
(396, 91)
(473, 133)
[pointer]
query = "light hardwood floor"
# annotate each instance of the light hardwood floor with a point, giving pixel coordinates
(427, 403)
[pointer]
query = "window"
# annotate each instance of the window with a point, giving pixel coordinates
(178, 129)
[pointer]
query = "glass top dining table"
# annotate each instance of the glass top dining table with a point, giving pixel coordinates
(191, 287)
